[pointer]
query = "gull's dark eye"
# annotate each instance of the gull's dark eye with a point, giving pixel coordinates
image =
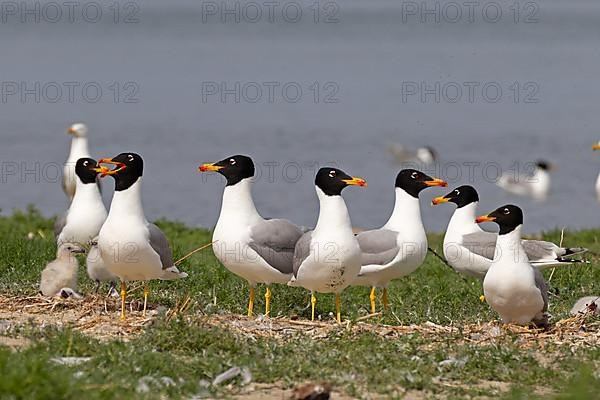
(506, 211)
(130, 157)
(85, 163)
(457, 192)
(232, 161)
(414, 175)
(331, 174)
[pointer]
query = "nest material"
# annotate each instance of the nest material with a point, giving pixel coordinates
(98, 316)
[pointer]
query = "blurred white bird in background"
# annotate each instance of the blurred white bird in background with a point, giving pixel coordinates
(426, 154)
(79, 149)
(596, 146)
(535, 184)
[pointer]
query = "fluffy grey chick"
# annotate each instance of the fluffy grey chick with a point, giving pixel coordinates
(62, 272)
(588, 304)
(96, 269)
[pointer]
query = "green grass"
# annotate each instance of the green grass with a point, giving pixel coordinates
(192, 352)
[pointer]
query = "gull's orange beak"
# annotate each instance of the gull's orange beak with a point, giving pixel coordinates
(355, 181)
(209, 167)
(105, 171)
(596, 146)
(436, 182)
(484, 218)
(71, 131)
(439, 200)
(101, 169)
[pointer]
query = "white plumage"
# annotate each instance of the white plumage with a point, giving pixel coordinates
(85, 216)
(512, 287)
(79, 149)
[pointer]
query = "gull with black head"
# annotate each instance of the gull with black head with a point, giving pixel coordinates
(399, 247)
(536, 184)
(327, 259)
(512, 287)
(469, 250)
(132, 248)
(87, 212)
(256, 249)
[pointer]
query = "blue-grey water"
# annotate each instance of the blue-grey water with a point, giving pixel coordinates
(178, 50)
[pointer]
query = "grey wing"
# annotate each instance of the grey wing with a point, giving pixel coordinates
(482, 243)
(540, 283)
(378, 246)
(274, 240)
(160, 244)
(301, 251)
(541, 250)
(59, 224)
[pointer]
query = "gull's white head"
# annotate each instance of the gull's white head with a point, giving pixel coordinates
(78, 130)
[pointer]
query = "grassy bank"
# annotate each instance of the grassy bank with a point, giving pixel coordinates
(191, 350)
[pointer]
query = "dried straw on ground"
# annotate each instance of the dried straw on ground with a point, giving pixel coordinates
(98, 316)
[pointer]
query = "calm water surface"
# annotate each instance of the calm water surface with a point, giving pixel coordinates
(364, 58)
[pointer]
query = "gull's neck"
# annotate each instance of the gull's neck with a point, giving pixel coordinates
(128, 203)
(238, 203)
(406, 216)
(463, 220)
(333, 212)
(509, 247)
(79, 148)
(86, 193)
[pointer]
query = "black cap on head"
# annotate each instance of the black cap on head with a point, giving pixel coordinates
(543, 164)
(507, 217)
(234, 168)
(87, 170)
(129, 168)
(413, 181)
(332, 181)
(461, 196)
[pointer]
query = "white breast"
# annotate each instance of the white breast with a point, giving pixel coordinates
(333, 263)
(85, 217)
(509, 285)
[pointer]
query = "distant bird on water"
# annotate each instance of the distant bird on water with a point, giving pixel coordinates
(425, 155)
(535, 184)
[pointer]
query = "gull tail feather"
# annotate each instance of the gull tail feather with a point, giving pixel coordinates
(570, 251)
